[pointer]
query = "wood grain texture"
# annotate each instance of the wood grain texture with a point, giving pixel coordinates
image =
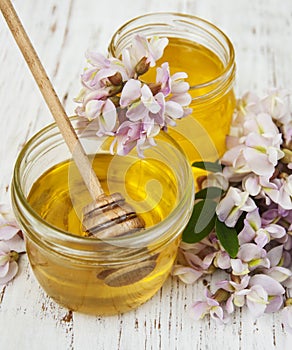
(61, 31)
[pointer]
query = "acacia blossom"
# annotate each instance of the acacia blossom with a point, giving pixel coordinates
(11, 244)
(8, 264)
(140, 49)
(115, 98)
(232, 205)
(256, 203)
(210, 306)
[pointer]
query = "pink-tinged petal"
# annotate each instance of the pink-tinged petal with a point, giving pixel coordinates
(239, 268)
(108, 117)
(127, 61)
(97, 59)
(262, 238)
(257, 300)
(207, 261)
(246, 235)
(217, 313)
(199, 309)
(16, 243)
(179, 76)
(275, 255)
(271, 286)
(180, 87)
(226, 285)
(250, 251)
(193, 260)
(279, 273)
(7, 230)
(258, 162)
(275, 304)
(174, 110)
(183, 99)
(212, 302)
(251, 184)
(262, 124)
(105, 73)
(130, 92)
(242, 285)
(285, 194)
(148, 100)
(276, 231)
(239, 299)
(186, 274)
(137, 112)
(225, 205)
(222, 260)
(93, 109)
(254, 219)
(12, 271)
(156, 48)
(287, 318)
(4, 266)
(163, 77)
(99, 94)
(288, 283)
(4, 248)
(229, 307)
(230, 156)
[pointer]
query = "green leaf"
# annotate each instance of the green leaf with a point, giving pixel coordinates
(209, 193)
(209, 166)
(202, 221)
(227, 237)
(240, 223)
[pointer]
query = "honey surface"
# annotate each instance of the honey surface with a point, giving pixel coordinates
(98, 287)
(59, 195)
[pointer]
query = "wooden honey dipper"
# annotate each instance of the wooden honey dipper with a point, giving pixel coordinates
(108, 215)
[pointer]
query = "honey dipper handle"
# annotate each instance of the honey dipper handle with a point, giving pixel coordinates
(51, 98)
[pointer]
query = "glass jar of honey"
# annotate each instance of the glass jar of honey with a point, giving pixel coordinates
(205, 53)
(87, 274)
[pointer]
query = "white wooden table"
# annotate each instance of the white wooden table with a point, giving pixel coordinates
(62, 30)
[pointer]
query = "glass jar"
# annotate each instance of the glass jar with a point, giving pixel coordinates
(90, 275)
(205, 53)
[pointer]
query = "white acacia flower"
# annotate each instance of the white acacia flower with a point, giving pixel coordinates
(232, 205)
(141, 47)
(8, 264)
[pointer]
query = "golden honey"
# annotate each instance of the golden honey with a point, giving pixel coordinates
(89, 275)
(201, 134)
(205, 53)
(50, 197)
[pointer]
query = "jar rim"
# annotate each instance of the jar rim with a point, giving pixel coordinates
(60, 235)
(228, 69)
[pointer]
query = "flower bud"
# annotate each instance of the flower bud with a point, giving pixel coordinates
(116, 79)
(142, 66)
(155, 88)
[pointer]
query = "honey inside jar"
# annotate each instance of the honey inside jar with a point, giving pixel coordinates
(59, 195)
(202, 133)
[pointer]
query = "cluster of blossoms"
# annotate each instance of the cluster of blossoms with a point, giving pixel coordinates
(125, 106)
(255, 202)
(11, 245)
